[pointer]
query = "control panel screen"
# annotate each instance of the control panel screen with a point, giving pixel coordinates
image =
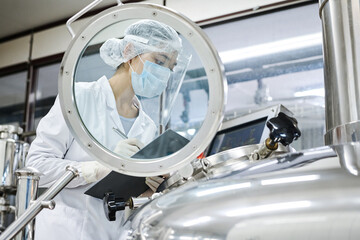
(237, 136)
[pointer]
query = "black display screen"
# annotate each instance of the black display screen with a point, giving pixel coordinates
(237, 136)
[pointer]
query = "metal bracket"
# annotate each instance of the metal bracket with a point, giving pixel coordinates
(82, 12)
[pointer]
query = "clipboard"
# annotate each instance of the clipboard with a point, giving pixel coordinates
(124, 186)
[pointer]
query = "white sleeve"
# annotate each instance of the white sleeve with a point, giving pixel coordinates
(47, 151)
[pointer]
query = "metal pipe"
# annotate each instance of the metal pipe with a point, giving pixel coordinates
(38, 205)
(27, 189)
(136, 202)
(341, 45)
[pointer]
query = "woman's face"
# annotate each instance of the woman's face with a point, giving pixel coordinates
(167, 60)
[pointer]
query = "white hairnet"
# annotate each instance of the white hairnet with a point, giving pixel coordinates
(141, 37)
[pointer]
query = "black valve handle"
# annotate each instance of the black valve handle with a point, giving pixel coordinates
(283, 129)
(112, 204)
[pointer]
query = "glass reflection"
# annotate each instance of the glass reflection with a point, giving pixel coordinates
(128, 81)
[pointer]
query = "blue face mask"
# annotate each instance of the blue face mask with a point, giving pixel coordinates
(152, 81)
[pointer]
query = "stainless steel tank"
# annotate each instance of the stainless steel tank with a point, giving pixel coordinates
(341, 38)
(12, 156)
(13, 152)
(27, 190)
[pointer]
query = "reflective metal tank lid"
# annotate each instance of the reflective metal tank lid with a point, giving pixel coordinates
(28, 171)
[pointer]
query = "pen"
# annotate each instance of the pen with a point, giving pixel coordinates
(120, 133)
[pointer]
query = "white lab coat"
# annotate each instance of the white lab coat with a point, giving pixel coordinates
(76, 215)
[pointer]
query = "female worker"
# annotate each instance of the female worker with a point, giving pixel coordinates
(109, 109)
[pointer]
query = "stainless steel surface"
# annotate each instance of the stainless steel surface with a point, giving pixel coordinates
(349, 156)
(341, 38)
(209, 58)
(7, 153)
(12, 156)
(27, 189)
(341, 35)
(48, 204)
(281, 162)
(7, 211)
(236, 162)
(38, 205)
(235, 159)
(301, 204)
(138, 202)
(10, 131)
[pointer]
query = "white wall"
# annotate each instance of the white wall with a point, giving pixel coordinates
(55, 40)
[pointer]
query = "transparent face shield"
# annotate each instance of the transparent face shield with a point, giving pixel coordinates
(158, 105)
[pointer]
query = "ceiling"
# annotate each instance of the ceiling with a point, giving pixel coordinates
(19, 16)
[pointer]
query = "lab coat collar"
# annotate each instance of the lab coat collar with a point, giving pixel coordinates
(106, 89)
(140, 122)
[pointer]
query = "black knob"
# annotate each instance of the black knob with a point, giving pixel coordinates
(111, 205)
(283, 129)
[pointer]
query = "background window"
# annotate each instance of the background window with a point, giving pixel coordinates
(47, 89)
(12, 98)
(276, 58)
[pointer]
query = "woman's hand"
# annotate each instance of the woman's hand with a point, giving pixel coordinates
(128, 147)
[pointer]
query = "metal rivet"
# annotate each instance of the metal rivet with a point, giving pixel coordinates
(82, 37)
(122, 165)
(115, 15)
(89, 145)
(160, 166)
(69, 111)
(67, 73)
(212, 70)
(190, 34)
(154, 14)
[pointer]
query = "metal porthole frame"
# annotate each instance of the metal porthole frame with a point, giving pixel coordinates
(210, 60)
